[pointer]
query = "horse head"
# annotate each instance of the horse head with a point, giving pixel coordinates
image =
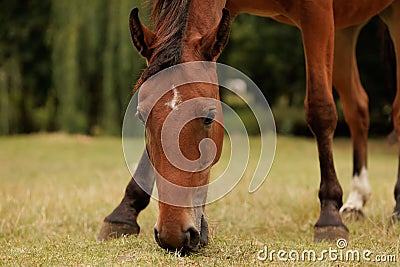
(179, 106)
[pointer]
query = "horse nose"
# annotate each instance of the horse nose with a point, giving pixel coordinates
(193, 239)
(184, 241)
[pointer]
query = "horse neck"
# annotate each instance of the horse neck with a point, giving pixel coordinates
(203, 16)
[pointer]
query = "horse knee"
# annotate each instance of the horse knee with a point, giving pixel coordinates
(321, 117)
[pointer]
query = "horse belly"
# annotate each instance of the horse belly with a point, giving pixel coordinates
(354, 12)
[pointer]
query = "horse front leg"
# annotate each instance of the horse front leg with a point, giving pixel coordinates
(317, 26)
(391, 16)
(123, 220)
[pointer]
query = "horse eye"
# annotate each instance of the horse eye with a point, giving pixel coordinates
(209, 117)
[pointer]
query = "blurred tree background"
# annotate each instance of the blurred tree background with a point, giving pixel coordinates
(70, 66)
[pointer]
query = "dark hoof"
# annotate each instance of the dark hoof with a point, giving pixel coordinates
(330, 233)
(353, 215)
(114, 230)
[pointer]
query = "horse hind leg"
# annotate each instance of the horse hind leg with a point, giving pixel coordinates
(346, 81)
(391, 17)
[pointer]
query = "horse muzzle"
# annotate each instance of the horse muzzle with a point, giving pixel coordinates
(186, 241)
(183, 241)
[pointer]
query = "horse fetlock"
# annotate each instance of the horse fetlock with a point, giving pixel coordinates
(359, 194)
(360, 185)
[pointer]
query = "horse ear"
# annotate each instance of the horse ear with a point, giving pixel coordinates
(216, 39)
(142, 37)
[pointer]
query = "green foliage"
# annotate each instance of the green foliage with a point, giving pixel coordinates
(24, 63)
(69, 67)
(93, 64)
(243, 110)
(289, 119)
(271, 54)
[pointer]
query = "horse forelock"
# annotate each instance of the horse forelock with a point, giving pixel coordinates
(169, 18)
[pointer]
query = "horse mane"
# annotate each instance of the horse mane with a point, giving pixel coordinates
(169, 18)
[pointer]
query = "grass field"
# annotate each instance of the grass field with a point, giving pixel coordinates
(56, 189)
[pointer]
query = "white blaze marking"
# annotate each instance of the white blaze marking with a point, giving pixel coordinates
(175, 100)
(359, 193)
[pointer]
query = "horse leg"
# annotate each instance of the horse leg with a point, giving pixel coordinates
(346, 81)
(317, 25)
(122, 221)
(391, 17)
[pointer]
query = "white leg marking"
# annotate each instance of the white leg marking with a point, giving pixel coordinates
(175, 99)
(359, 193)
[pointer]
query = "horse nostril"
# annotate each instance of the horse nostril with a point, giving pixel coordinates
(193, 239)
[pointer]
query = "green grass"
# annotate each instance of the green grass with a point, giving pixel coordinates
(56, 189)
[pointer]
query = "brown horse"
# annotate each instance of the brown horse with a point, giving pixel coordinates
(195, 30)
